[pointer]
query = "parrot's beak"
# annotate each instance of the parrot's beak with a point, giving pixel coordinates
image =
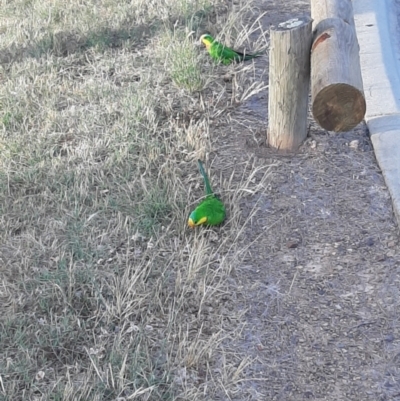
(191, 223)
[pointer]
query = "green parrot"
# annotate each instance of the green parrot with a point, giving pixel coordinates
(224, 54)
(211, 210)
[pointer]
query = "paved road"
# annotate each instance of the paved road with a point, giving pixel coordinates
(377, 24)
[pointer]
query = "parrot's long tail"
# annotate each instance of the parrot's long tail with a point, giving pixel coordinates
(209, 191)
(247, 56)
(250, 56)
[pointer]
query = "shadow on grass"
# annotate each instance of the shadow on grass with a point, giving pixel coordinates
(64, 43)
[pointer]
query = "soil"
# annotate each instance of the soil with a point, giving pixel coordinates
(320, 281)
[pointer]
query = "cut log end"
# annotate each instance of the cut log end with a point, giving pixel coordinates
(339, 107)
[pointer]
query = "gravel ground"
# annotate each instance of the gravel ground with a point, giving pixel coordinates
(319, 284)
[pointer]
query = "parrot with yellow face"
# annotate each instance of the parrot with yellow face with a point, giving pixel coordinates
(210, 211)
(223, 54)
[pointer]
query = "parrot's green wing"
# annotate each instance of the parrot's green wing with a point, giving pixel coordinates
(226, 55)
(211, 211)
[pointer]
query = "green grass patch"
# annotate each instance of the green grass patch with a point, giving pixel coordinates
(182, 60)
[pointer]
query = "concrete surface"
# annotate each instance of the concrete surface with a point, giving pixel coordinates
(377, 25)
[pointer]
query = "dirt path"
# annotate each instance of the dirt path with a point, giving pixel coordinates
(319, 285)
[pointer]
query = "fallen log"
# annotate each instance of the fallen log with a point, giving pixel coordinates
(338, 102)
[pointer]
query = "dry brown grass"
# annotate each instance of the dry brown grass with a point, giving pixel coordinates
(104, 292)
(104, 109)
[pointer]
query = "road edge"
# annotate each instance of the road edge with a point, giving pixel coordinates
(376, 26)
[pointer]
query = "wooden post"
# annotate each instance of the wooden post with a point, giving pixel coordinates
(289, 81)
(338, 102)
